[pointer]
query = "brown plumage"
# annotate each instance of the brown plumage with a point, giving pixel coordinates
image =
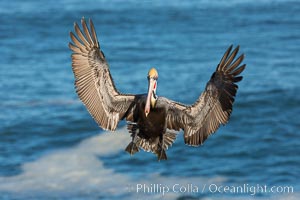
(152, 121)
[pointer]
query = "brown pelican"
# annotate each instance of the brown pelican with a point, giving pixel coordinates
(152, 120)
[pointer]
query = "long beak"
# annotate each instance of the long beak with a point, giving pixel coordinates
(150, 89)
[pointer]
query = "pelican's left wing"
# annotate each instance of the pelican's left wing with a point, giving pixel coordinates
(214, 105)
(93, 81)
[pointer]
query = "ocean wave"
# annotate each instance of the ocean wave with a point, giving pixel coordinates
(79, 172)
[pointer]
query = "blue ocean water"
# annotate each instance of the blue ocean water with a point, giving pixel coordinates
(50, 147)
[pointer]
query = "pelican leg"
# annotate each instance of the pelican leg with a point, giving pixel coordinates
(161, 153)
(132, 148)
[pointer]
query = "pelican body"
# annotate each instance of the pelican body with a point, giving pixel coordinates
(152, 121)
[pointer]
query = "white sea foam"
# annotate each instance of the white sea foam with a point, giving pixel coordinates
(75, 170)
(79, 172)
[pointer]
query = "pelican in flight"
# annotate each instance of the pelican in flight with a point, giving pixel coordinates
(152, 120)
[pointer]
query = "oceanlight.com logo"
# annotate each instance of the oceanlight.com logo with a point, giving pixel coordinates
(249, 189)
(163, 189)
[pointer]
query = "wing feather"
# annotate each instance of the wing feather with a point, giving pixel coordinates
(235, 64)
(231, 57)
(93, 81)
(80, 35)
(86, 31)
(223, 60)
(78, 43)
(213, 107)
(94, 35)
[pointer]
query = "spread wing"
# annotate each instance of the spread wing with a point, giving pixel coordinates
(214, 105)
(93, 81)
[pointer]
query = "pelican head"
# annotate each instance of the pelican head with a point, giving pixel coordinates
(152, 84)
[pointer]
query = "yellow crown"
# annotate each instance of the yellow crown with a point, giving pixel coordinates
(152, 73)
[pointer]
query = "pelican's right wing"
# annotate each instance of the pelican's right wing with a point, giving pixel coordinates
(214, 105)
(93, 81)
